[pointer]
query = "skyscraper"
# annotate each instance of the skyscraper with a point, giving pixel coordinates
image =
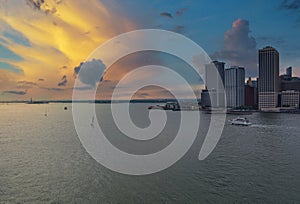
(288, 82)
(289, 72)
(214, 84)
(235, 87)
(268, 84)
(251, 94)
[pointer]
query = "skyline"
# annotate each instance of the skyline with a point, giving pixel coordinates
(42, 42)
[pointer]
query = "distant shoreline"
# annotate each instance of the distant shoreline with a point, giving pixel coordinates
(101, 101)
(44, 102)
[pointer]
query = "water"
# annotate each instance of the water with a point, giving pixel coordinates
(43, 161)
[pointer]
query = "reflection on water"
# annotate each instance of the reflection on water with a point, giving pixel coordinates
(42, 161)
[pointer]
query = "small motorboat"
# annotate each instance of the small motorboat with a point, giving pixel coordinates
(240, 121)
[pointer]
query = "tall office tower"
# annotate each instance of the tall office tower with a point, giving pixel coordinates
(214, 84)
(268, 85)
(235, 87)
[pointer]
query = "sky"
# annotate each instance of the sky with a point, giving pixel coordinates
(43, 43)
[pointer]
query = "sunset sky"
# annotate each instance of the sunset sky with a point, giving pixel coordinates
(43, 41)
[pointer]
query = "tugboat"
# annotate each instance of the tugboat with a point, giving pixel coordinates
(240, 121)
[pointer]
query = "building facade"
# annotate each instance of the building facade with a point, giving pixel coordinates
(235, 87)
(288, 82)
(214, 79)
(207, 97)
(290, 98)
(251, 94)
(293, 84)
(289, 73)
(268, 84)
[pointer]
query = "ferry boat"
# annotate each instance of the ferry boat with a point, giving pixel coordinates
(240, 121)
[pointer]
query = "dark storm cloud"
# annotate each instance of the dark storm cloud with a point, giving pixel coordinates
(37, 5)
(239, 48)
(166, 14)
(63, 82)
(90, 72)
(77, 69)
(15, 92)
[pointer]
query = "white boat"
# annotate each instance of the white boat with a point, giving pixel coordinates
(240, 121)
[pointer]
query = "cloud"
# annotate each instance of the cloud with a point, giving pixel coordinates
(239, 48)
(63, 82)
(265, 38)
(46, 34)
(293, 5)
(36, 4)
(83, 88)
(179, 29)
(27, 83)
(77, 69)
(15, 92)
(181, 11)
(43, 6)
(90, 72)
(53, 89)
(166, 14)
(63, 67)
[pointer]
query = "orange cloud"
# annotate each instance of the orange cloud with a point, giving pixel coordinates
(63, 33)
(60, 33)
